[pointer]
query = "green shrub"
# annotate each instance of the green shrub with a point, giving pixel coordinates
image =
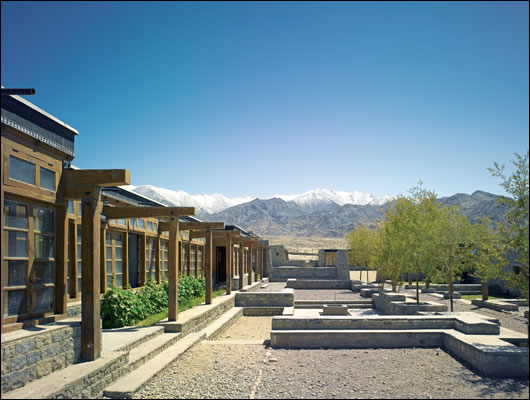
(124, 307)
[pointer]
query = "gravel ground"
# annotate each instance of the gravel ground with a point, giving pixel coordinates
(513, 320)
(239, 364)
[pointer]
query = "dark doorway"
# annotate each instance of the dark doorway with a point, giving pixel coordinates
(221, 264)
(132, 252)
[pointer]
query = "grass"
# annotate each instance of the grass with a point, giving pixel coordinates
(479, 296)
(183, 306)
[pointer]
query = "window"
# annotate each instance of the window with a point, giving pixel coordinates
(164, 252)
(183, 254)
(79, 259)
(71, 207)
(121, 222)
(114, 259)
(199, 260)
(21, 170)
(149, 225)
(47, 179)
(18, 234)
(155, 227)
(150, 259)
(193, 251)
(134, 223)
(141, 223)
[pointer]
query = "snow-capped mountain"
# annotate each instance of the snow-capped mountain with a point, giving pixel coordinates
(313, 197)
(205, 203)
(214, 203)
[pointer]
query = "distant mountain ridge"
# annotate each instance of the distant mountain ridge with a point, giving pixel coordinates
(319, 212)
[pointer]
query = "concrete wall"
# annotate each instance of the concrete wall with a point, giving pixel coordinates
(29, 356)
(279, 255)
(285, 298)
(396, 304)
(343, 266)
(281, 274)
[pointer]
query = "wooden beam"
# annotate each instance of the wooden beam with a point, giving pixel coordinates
(188, 226)
(241, 267)
(228, 264)
(61, 260)
(100, 177)
(91, 341)
(144, 212)
(208, 266)
(249, 265)
(215, 234)
(173, 261)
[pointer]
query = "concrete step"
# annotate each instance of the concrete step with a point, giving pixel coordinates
(129, 337)
(222, 323)
(304, 306)
(130, 383)
(149, 349)
(262, 311)
(76, 381)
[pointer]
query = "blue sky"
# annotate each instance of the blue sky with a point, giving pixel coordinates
(268, 98)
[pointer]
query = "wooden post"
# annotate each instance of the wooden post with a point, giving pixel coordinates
(256, 266)
(61, 261)
(91, 341)
(157, 259)
(173, 277)
(196, 261)
(241, 267)
(249, 264)
(208, 265)
(228, 264)
(258, 262)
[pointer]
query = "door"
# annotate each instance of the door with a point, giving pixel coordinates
(221, 264)
(132, 252)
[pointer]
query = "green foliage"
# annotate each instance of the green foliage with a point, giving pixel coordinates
(363, 247)
(515, 232)
(125, 307)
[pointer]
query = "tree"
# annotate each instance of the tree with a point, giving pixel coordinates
(362, 247)
(486, 256)
(453, 244)
(515, 231)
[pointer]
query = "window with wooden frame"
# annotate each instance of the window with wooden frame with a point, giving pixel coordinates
(114, 259)
(79, 257)
(164, 260)
(150, 259)
(183, 255)
(29, 260)
(192, 255)
(199, 261)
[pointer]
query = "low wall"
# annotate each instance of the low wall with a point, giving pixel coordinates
(396, 304)
(285, 298)
(281, 274)
(31, 354)
(318, 284)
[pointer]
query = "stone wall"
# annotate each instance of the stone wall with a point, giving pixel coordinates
(285, 298)
(318, 284)
(281, 274)
(397, 304)
(36, 352)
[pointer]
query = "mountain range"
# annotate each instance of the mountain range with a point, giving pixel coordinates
(319, 212)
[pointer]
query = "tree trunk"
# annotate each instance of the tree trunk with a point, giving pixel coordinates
(485, 290)
(418, 288)
(451, 289)
(427, 282)
(410, 278)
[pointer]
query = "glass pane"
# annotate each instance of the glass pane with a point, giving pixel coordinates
(117, 251)
(117, 239)
(17, 273)
(43, 299)
(108, 239)
(108, 252)
(16, 215)
(118, 267)
(80, 208)
(155, 225)
(16, 302)
(47, 179)
(122, 222)
(79, 235)
(109, 267)
(149, 225)
(67, 285)
(21, 170)
(119, 280)
(44, 220)
(44, 272)
(109, 281)
(79, 287)
(141, 223)
(79, 269)
(133, 222)
(71, 207)
(17, 244)
(44, 246)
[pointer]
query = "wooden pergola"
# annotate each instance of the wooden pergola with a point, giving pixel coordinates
(86, 185)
